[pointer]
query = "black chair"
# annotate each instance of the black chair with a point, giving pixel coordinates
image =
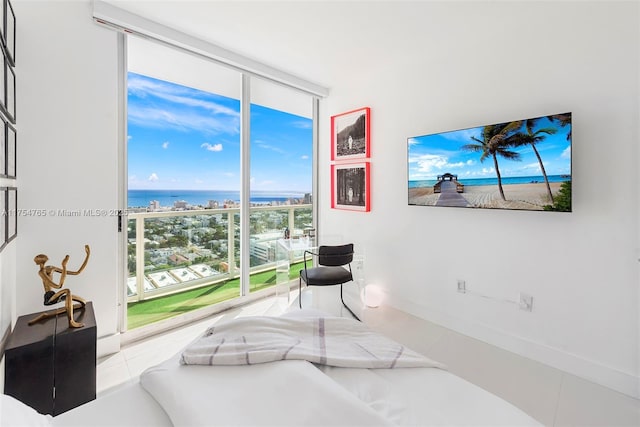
(331, 271)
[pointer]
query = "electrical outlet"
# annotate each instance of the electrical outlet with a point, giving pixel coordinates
(462, 286)
(525, 302)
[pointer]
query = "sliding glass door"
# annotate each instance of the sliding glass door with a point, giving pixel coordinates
(185, 167)
(281, 174)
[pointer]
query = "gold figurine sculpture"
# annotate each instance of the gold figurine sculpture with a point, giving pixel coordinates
(51, 296)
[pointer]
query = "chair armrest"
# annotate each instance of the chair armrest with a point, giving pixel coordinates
(306, 251)
(310, 252)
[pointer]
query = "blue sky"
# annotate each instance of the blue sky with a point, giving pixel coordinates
(187, 139)
(433, 155)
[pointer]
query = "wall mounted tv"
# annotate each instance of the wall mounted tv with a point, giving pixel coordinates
(523, 164)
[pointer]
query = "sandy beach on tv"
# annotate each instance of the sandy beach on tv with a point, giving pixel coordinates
(519, 196)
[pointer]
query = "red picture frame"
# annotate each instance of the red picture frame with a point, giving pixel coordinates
(351, 186)
(351, 135)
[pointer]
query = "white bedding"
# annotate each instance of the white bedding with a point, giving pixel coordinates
(295, 392)
(285, 393)
(424, 396)
(333, 341)
(127, 405)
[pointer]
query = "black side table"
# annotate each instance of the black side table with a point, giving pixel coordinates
(52, 367)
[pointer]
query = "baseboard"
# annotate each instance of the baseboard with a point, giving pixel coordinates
(606, 376)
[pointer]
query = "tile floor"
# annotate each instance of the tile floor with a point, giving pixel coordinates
(553, 397)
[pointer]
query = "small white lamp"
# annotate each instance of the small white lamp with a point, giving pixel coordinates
(372, 296)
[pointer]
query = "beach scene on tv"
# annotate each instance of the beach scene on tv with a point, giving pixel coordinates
(523, 164)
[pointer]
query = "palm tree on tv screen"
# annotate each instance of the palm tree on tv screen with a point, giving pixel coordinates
(496, 141)
(563, 120)
(532, 137)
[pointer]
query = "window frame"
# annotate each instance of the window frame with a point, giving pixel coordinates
(245, 143)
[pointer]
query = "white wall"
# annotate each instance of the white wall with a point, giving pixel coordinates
(67, 151)
(476, 63)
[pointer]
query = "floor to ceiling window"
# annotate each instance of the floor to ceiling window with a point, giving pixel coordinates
(184, 161)
(281, 172)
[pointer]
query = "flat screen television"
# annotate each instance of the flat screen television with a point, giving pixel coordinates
(522, 164)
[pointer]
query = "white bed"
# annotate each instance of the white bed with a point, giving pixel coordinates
(294, 392)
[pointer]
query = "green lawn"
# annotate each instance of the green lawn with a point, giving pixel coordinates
(145, 312)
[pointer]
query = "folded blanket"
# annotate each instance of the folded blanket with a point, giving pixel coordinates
(333, 341)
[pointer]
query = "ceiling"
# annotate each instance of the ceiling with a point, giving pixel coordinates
(325, 42)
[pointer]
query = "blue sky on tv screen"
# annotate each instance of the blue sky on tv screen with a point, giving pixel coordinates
(184, 138)
(432, 155)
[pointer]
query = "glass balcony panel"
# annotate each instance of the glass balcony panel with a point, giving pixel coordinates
(187, 262)
(131, 258)
(190, 259)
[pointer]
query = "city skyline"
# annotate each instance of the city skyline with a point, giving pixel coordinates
(180, 138)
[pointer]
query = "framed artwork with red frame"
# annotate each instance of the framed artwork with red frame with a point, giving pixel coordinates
(351, 135)
(351, 186)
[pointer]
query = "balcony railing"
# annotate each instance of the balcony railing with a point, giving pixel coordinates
(174, 251)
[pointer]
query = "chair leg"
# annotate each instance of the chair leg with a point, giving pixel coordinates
(346, 306)
(300, 291)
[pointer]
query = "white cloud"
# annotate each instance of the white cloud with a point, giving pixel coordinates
(535, 167)
(433, 163)
(304, 157)
(412, 141)
(165, 145)
(153, 177)
(428, 166)
(307, 124)
(201, 115)
(181, 120)
(455, 165)
(181, 95)
(211, 147)
(266, 146)
(566, 154)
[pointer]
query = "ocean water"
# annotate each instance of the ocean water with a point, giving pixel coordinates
(494, 181)
(141, 198)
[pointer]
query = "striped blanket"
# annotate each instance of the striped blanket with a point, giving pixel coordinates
(332, 341)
